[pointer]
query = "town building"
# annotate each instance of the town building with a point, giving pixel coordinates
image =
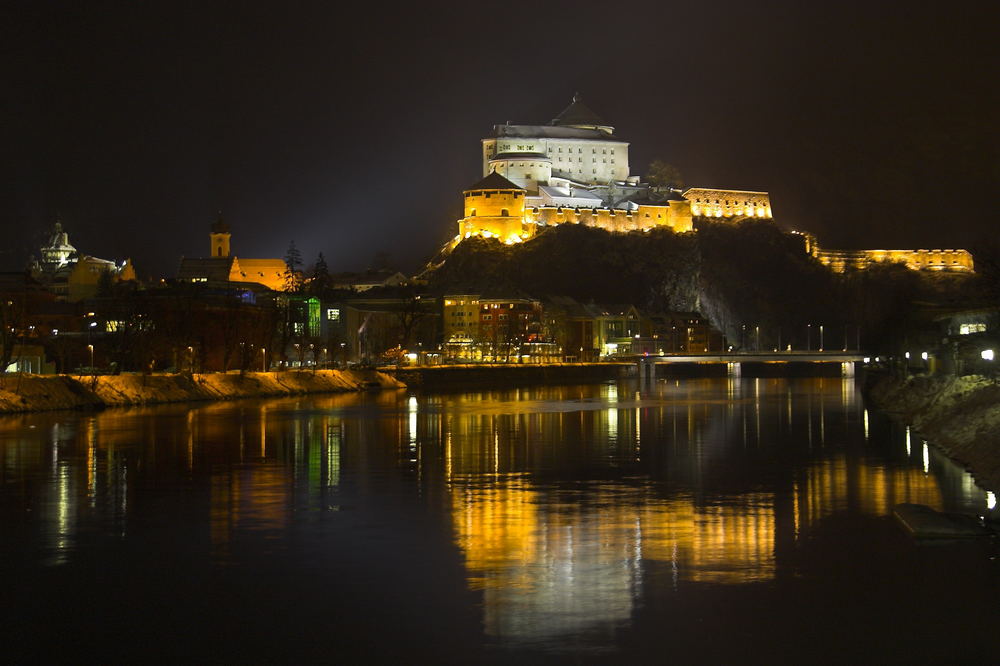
(71, 275)
(222, 266)
(372, 279)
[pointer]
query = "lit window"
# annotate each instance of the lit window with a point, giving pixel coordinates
(968, 329)
(333, 314)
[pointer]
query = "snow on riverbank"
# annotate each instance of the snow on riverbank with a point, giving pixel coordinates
(961, 415)
(46, 392)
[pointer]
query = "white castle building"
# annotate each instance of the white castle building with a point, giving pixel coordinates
(575, 170)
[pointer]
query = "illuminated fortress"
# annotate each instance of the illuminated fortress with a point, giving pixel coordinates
(575, 170)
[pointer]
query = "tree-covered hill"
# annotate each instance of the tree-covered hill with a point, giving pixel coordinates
(747, 276)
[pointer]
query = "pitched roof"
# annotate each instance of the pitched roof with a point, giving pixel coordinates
(494, 181)
(216, 269)
(578, 113)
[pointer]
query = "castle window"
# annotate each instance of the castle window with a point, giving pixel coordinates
(504, 212)
(472, 213)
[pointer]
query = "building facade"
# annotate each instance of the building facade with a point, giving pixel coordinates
(222, 266)
(71, 275)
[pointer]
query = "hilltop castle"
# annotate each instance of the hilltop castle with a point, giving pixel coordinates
(575, 170)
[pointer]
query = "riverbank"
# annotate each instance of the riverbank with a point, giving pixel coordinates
(509, 374)
(960, 415)
(32, 393)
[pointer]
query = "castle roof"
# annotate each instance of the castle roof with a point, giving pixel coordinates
(521, 156)
(494, 181)
(578, 113)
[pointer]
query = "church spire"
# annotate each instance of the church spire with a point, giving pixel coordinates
(219, 237)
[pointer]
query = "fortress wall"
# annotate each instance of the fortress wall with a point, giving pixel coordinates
(952, 261)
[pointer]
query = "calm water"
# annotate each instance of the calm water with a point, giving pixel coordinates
(700, 521)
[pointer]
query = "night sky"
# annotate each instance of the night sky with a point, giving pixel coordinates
(353, 131)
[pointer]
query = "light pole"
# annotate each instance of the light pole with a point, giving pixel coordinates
(90, 346)
(821, 337)
(263, 359)
(809, 337)
(191, 360)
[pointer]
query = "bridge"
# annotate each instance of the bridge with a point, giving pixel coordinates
(734, 360)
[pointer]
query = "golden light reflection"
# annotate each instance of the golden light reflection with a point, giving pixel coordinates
(834, 485)
(551, 564)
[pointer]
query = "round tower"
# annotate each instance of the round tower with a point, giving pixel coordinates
(220, 237)
(494, 208)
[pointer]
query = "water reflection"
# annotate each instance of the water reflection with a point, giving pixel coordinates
(566, 504)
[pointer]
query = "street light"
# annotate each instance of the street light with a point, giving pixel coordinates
(821, 337)
(90, 348)
(263, 359)
(809, 337)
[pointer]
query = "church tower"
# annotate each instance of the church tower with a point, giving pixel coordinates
(220, 237)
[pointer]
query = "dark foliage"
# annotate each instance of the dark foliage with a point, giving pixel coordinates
(755, 282)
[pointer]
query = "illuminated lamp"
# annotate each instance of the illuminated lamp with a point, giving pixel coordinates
(987, 354)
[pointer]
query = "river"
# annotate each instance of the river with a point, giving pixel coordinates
(691, 521)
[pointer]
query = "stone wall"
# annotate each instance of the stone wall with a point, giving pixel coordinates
(953, 261)
(28, 393)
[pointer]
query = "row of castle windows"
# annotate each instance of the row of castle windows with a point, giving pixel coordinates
(506, 147)
(503, 212)
(735, 203)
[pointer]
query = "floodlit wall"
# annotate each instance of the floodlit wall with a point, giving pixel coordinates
(728, 203)
(952, 261)
(594, 161)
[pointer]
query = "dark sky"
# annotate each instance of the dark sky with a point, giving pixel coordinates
(354, 130)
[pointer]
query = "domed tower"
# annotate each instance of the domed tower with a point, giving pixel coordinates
(58, 251)
(220, 237)
(494, 208)
(526, 169)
